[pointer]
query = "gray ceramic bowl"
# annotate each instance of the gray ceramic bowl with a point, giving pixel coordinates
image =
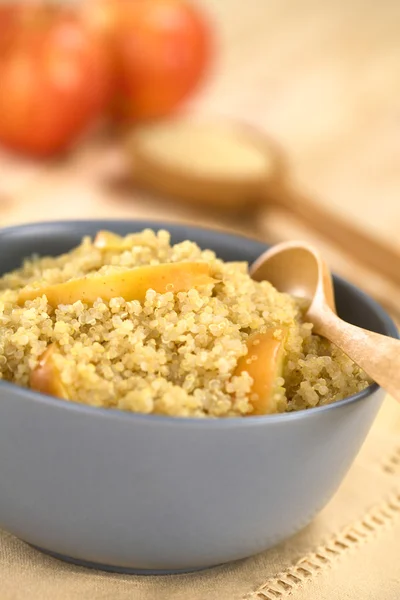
(140, 493)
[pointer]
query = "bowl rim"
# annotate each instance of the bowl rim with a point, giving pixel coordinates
(115, 413)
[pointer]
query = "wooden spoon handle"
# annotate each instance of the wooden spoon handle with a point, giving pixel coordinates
(378, 355)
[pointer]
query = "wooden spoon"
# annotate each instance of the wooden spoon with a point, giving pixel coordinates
(297, 268)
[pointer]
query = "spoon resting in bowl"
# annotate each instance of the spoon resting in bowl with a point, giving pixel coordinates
(297, 268)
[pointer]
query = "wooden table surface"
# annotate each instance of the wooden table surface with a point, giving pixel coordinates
(321, 77)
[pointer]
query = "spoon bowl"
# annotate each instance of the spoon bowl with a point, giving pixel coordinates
(297, 268)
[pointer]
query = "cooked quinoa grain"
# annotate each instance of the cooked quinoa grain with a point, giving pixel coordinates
(173, 353)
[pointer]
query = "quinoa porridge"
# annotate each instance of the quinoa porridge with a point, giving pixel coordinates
(141, 325)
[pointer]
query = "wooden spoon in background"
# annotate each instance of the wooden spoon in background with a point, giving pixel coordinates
(211, 163)
(297, 268)
(222, 163)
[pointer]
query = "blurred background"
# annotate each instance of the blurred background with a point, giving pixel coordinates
(275, 118)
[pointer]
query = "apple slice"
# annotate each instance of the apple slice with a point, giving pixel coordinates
(264, 363)
(131, 284)
(107, 240)
(46, 377)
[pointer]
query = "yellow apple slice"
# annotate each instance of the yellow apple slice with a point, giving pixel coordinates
(131, 284)
(107, 240)
(46, 377)
(264, 363)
